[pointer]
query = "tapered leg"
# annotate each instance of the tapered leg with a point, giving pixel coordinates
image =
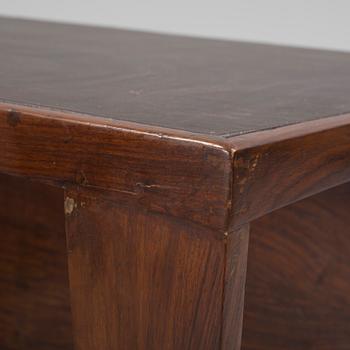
(141, 280)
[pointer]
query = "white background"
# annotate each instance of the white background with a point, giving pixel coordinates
(309, 23)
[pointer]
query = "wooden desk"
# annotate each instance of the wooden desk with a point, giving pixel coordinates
(134, 169)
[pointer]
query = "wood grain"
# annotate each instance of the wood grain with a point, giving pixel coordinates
(141, 280)
(205, 86)
(168, 149)
(277, 167)
(218, 183)
(168, 172)
(297, 292)
(34, 292)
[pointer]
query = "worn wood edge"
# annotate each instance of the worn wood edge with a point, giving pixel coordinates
(277, 167)
(69, 155)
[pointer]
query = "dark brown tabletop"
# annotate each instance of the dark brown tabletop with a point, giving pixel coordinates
(204, 86)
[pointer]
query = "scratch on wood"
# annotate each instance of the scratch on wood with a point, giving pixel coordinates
(141, 187)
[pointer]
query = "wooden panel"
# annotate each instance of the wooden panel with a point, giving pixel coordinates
(218, 183)
(277, 167)
(145, 281)
(298, 282)
(34, 293)
(179, 174)
(199, 85)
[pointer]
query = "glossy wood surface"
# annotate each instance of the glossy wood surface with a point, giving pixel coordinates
(165, 171)
(146, 281)
(205, 86)
(298, 281)
(164, 151)
(34, 292)
(218, 183)
(277, 167)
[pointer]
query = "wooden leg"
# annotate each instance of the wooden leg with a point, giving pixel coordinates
(141, 280)
(298, 282)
